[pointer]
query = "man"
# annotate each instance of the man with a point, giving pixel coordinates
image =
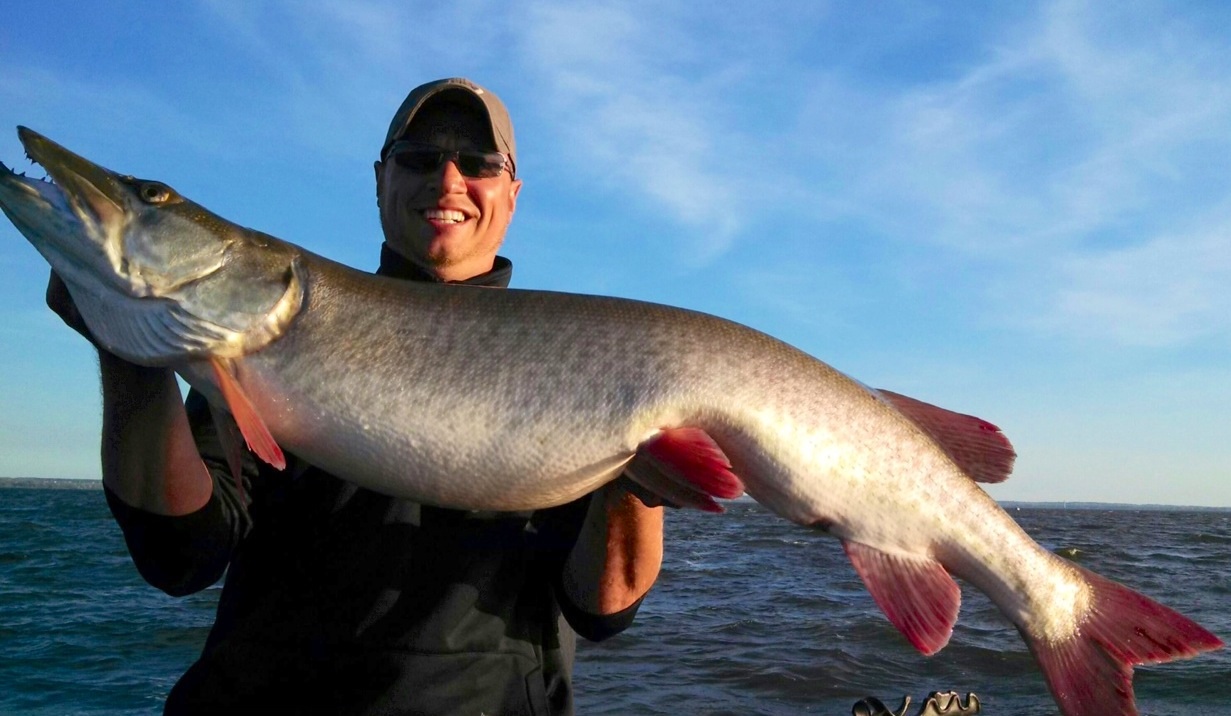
(341, 600)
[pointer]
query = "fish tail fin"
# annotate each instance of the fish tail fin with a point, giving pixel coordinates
(1091, 674)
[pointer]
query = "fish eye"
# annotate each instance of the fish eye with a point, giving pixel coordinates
(153, 192)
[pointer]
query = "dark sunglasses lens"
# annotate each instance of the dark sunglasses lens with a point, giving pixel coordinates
(419, 160)
(480, 165)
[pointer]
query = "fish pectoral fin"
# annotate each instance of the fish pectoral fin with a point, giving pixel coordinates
(685, 467)
(915, 592)
(255, 433)
(977, 446)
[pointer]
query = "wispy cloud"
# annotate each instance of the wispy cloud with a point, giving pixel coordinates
(610, 79)
(1169, 290)
(1063, 158)
(342, 56)
(1073, 137)
(38, 96)
(1059, 149)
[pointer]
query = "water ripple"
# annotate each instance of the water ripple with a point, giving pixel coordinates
(752, 615)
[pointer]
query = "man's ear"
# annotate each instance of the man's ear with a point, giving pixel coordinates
(514, 190)
(380, 180)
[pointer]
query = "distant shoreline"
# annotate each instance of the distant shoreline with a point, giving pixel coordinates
(49, 483)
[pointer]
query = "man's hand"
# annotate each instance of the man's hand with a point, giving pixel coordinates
(61, 301)
(647, 496)
(150, 460)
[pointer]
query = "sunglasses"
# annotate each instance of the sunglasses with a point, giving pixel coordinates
(472, 163)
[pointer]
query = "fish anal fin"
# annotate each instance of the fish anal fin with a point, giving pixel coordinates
(685, 467)
(255, 433)
(977, 446)
(916, 593)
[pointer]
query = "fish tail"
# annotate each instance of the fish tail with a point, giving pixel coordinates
(1091, 673)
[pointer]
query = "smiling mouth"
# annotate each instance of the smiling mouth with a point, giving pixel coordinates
(448, 216)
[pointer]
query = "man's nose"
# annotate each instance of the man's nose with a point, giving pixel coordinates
(451, 177)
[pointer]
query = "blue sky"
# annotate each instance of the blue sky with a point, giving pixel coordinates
(1019, 210)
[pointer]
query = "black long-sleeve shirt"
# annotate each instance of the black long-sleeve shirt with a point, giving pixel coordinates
(342, 600)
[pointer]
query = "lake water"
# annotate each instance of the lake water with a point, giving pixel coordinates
(752, 615)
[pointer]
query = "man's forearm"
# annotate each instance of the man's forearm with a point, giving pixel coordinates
(618, 554)
(149, 459)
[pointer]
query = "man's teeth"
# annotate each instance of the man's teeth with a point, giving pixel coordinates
(444, 215)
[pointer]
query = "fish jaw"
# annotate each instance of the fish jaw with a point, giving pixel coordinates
(151, 272)
(44, 214)
(76, 218)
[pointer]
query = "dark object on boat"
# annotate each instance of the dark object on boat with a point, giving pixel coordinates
(938, 703)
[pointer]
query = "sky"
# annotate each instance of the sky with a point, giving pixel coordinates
(1016, 210)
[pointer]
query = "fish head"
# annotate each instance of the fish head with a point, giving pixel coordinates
(158, 278)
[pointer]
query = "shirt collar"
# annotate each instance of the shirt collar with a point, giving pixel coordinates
(395, 265)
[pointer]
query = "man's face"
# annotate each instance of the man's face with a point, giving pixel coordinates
(447, 223)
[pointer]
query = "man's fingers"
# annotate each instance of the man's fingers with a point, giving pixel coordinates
(61, 302)
(647, 497)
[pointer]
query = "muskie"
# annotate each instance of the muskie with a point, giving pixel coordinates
(476, 398)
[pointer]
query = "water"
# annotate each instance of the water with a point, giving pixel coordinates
(751, 615)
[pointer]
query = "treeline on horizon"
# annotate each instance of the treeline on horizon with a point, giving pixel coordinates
(55, 483)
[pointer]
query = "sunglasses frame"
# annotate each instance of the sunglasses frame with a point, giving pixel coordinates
(462, 158)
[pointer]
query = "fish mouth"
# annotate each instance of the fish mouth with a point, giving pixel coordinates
(76, 217)
(83, 185)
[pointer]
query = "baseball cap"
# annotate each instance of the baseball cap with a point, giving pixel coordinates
(493, 109)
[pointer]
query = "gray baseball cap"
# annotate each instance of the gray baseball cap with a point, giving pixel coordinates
(494, 110)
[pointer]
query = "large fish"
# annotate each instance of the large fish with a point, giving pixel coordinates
(507, 399)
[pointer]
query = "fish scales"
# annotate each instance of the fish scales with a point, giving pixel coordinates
(498, 368)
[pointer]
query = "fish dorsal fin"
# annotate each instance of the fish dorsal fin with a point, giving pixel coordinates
(685, 467)
(915, 592)
(978, 447)
(255, 433)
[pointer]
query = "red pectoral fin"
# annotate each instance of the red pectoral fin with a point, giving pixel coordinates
(687, 468)
(915, 592)
(250, 424)
(977, 446)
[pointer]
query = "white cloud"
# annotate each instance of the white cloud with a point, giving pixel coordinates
(39, 97)
(336, 70)
(635, 96)
(612, 81)
(1069, 147)
(1172, 289)
(1064, 158)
